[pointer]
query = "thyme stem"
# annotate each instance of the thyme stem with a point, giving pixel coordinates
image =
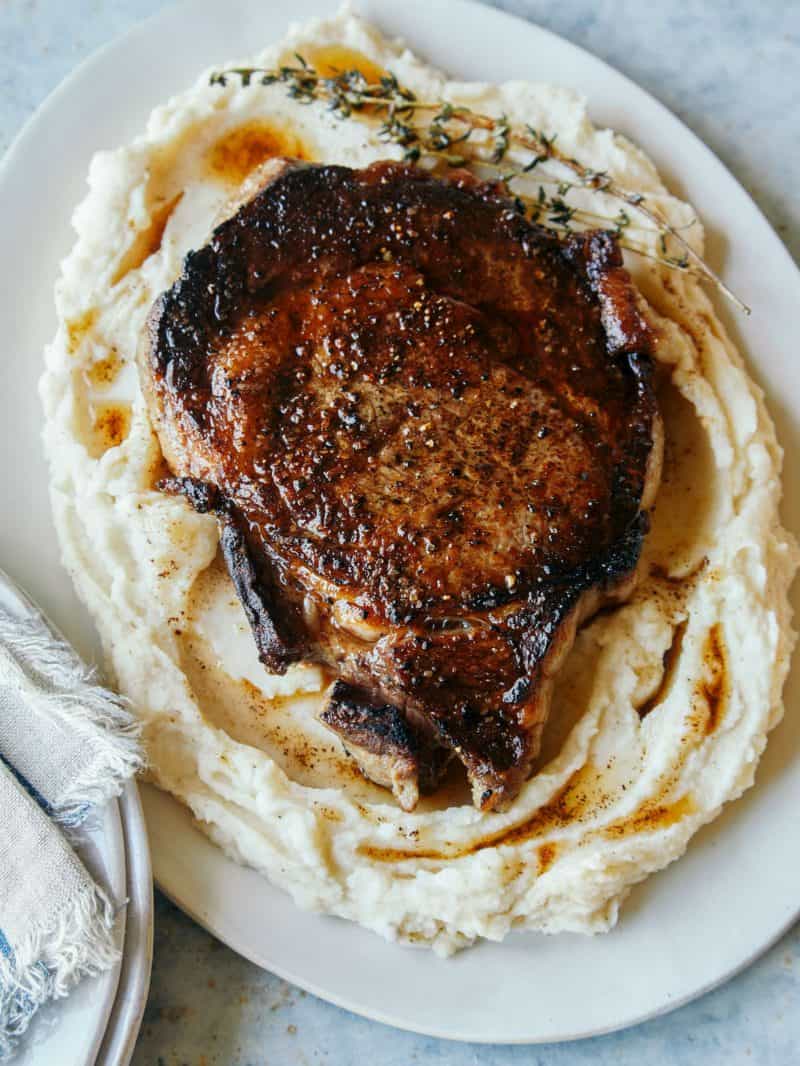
(453, 126)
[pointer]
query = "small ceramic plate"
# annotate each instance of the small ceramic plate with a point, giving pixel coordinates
(684, 930)
(70, 1031)
(99, 1021)
(122, 1030)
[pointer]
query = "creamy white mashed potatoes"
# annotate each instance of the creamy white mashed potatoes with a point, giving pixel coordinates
(663, 707)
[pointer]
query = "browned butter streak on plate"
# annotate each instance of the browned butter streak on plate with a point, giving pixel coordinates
(652, 816)
(79, 326)
(239, 151)
(332, 59)
(546, 856)
(148, 241)
(102, 373)
(242, 149)
(581, 799)
(111, 423)
(670, 662)
(714, 685)
(283, 726)
(683, 520)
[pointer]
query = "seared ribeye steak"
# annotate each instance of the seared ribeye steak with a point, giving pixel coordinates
(428, 429)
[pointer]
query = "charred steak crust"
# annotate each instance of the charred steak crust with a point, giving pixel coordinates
(277, 632)
(429, 431)
(389, 751)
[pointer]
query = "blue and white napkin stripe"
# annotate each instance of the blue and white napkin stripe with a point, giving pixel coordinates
(69, 738)
(24, 984)
(34, 794)
(66, 746)
(19, 1010)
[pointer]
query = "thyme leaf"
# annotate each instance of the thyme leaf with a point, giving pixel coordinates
(429, 130)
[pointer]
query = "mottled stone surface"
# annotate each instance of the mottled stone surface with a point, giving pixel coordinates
(208, 1007)
(730, 70)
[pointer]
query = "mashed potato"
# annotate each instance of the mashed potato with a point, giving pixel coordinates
(664, 705)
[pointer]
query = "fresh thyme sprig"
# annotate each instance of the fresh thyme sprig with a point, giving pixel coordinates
(455, 135)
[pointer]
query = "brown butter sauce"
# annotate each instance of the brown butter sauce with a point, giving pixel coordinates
(78, 327)
(546, 856)
(111, 423)
(331, 59)
(714, 686)
(102, 373)
(671, 659)
(241, 150)
(579, 799)
(148, 241)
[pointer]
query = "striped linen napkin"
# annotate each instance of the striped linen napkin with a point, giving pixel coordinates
(66, 746)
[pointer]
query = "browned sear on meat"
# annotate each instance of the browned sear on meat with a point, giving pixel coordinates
(428, 430)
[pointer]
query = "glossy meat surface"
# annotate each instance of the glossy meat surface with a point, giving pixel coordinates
(428, 429)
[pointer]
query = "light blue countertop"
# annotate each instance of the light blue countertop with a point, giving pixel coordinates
(730, 70)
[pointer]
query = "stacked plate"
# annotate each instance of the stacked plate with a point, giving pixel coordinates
(99, 1022)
